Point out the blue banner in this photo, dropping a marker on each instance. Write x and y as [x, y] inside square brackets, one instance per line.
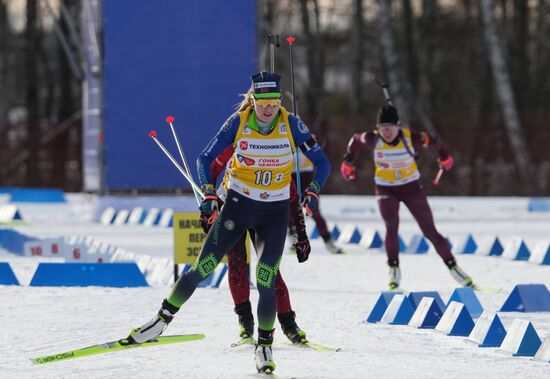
[187, 59]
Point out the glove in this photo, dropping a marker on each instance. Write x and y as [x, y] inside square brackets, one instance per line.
[347, 171]
[204, 222]
[447, 164]
[303, 248]
[310, 197]
[211, 205]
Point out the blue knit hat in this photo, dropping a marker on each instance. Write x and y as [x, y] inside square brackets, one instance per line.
[266, 85]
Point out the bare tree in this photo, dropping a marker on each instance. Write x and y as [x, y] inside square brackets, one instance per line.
[389, 53]
[401, 88]
[4, 32]
[540, 79]
[429, 54]
[412, 67]
[504, 92]
[32, 39]
[357, 56]
[315, 61]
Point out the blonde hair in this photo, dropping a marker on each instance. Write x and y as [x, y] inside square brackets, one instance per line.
[247, 100]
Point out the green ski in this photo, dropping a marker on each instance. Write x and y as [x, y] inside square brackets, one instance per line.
[115, 346]
[318, 346]
[244, 341]
[311, 345]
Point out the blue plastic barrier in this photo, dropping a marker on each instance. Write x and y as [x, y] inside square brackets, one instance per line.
[528, 298]
[496, 248]
[371, 240]
[522, 339]
[355, 236]
[30, 195]
[380, 306]
[417, 245]
[416, 297]
[13, 241]
[522, 252]
[314, 233]
[400, 316]
[402, 246]
[541, 254]
[488, 331]
[123, 274]
[7, 277]
[427, 314]
[467, 297]
[539, 204]
[335, 233]
[456, 321]
[467, 246]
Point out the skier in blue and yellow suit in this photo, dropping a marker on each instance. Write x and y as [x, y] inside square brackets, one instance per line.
[265, 136]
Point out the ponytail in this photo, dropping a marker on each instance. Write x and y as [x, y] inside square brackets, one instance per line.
[246, 102]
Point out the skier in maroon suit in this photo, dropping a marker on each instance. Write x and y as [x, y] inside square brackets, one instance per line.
[397, 180]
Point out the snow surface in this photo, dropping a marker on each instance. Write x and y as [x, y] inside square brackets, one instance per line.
[331, 295]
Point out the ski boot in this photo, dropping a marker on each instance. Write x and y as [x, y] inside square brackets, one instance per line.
[290, 329]
[154, 328]
[459, 275]
[395, 275]
[263, 355]
[246, 319]
[331, 247]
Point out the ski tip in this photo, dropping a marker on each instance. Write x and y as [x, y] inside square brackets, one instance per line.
[170, 119]
[153, 134]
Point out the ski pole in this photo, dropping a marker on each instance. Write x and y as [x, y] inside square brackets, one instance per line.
[385, 89]
[438, 176]
[290, 41]
[153, 135]
[273, 42]
[170, 120]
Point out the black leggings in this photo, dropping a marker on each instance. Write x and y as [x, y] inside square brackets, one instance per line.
[269, 221]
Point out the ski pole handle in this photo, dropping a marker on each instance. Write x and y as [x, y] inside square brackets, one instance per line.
[153, 135]
[438, 176]
[385, 89]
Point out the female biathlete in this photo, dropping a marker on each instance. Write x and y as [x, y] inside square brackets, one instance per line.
[396, 180]
[239, 284]
[264, 136]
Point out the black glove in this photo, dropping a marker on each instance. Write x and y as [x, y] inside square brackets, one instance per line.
[310, 197]
[303, 248]
[204, 222]
[210, 206]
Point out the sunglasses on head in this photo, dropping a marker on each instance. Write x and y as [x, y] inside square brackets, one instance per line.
[267, 102]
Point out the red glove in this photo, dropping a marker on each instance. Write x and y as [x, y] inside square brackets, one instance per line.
[347, 171]
[447, 164]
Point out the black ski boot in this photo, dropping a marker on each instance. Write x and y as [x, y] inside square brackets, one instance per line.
[290, 329]
[246, 319]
